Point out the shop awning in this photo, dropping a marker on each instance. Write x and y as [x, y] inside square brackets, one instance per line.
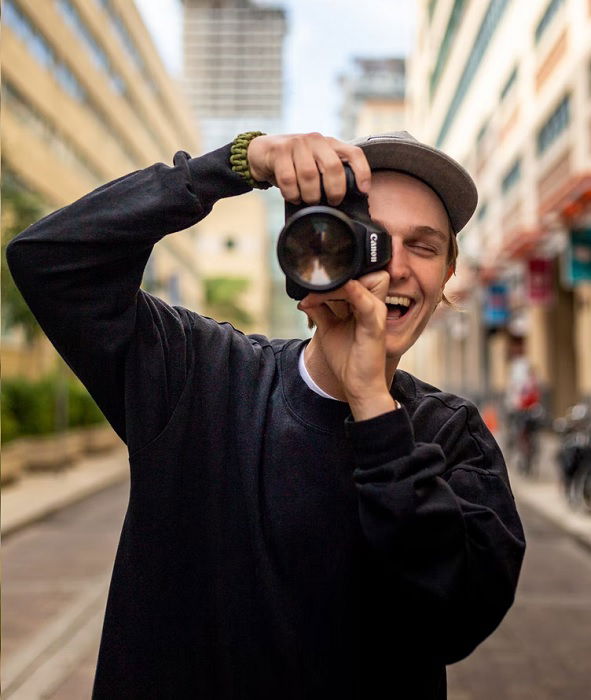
[571, 199]
[520, 243]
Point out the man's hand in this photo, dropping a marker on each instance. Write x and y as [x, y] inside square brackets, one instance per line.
[351, 333]
[296, 163]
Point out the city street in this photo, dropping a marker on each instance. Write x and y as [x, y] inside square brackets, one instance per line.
[55, 580]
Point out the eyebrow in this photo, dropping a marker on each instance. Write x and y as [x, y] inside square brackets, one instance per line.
[430, 231]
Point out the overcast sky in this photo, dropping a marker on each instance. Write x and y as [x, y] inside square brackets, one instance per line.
[322, 37]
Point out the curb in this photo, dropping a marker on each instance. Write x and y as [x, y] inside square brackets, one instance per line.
[547, 499]
[38, 495]
[48, 659]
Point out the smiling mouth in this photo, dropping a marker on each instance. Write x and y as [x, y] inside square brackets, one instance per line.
[398, 307]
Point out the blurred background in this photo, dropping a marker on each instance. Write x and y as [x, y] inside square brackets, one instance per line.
[93, 89]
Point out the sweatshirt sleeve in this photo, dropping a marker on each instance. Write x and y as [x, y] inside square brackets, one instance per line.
[80, 269]
[442, 518]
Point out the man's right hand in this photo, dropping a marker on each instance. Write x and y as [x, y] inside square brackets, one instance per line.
[296, 163]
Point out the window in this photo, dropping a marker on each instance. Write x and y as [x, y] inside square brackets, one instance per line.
[99, 57]
[512, 176]
[66, 151]
[444, 49]
[40, 49]
[551, 9]
[509, 83]
[492, 17]
[554, 125]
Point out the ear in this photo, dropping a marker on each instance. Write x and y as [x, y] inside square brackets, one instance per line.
[450, 271]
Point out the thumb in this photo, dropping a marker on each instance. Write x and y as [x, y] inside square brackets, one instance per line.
[377, 283]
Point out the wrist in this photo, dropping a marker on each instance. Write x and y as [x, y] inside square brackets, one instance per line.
[239, 159]
[370, 406]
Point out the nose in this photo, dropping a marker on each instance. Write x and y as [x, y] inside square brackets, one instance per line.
[399, 266]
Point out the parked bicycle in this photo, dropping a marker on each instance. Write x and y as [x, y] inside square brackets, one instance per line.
[523, 438]
[574, 455]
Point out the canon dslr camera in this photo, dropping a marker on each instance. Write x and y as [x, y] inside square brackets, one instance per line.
[321, 247]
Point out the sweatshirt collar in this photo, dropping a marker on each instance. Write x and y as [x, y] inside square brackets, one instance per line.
[311, 409]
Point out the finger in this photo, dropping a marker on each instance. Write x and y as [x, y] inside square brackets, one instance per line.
[357, 160]
[286, 178]
[369, 311]
[377, 283]
[341, 309]
[333, 173]
[307, 172]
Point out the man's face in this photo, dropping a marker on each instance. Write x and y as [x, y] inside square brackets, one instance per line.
[417, 222]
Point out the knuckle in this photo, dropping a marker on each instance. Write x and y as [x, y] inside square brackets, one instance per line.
[286, 179]
[308, 173]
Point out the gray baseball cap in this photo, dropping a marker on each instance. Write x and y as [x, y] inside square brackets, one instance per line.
[400, 151]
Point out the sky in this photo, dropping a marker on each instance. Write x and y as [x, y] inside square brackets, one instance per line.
[322, 38]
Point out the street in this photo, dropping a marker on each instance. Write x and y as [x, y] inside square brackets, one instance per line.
[56, 573]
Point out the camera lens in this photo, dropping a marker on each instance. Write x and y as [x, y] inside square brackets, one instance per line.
[318, 250]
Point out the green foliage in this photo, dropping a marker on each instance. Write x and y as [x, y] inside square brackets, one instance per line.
[29, 407]
[19, 210]
[222, 298]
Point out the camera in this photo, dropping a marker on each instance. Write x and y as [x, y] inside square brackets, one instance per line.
[321, 247]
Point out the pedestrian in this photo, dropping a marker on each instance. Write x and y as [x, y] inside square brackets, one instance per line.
[305, 520]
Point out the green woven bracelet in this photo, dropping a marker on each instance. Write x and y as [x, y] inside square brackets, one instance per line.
[239, 160]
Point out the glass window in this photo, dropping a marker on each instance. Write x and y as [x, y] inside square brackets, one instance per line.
[554, 125]
[551, 9]
[512, 176]
[492, 17]
[509, 83]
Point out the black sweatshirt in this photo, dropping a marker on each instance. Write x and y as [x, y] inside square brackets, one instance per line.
[272, 547]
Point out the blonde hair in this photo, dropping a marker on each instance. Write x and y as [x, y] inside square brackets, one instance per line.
[452, 256]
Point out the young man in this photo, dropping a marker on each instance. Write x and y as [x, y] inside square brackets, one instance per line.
[305, 520]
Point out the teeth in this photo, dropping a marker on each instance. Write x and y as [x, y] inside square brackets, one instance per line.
[403, 301]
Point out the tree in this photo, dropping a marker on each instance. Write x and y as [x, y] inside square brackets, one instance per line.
[19, 210]
[221, 295]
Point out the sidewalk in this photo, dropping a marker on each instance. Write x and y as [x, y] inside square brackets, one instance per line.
[543, 492]
[38, 494]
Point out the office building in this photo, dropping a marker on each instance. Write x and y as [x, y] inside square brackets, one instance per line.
[505, 87]
[86, 99]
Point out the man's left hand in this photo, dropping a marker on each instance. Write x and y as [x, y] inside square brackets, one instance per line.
[351, 332]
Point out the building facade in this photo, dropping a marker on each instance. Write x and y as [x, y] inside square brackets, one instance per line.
[233, 77]
[86, 99]
[505, 88]
[373, 97]
[233, 67]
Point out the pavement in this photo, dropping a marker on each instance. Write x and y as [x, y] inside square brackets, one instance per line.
[39, 494]
[52, 626]
[543, 491]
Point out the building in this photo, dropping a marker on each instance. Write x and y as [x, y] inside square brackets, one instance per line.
[233, 67]
[373, 97]
[505, 87]
[85, 99]
[233, 77]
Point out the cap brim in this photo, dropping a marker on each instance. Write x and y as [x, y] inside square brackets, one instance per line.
[450, 181]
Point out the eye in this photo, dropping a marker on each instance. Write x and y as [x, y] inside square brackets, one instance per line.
[426, 248]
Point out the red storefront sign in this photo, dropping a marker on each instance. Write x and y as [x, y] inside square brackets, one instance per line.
[540, 287]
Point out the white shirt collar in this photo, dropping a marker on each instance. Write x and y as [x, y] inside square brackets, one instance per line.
[305, 375]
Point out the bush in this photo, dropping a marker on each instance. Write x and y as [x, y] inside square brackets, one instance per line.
[29, 407]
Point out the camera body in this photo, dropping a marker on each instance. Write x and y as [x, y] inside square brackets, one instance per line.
[321, 247]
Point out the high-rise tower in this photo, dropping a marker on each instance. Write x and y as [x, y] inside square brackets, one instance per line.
[233, 66]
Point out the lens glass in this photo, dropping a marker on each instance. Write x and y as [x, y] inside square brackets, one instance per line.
[319, 249]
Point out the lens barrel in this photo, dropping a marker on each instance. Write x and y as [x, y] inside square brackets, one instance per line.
[319, 249]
